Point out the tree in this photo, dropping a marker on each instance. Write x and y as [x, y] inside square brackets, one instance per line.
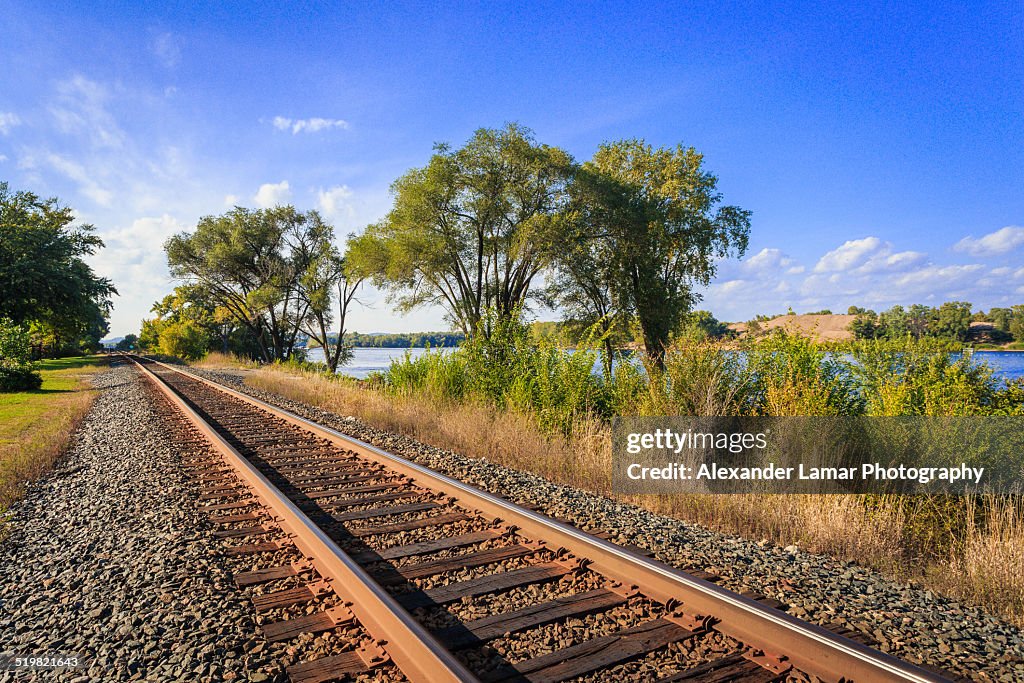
[703, 325]
[1000, 318]
[17, 372]
[183, 339]
[951, 320]
[251, 265]
[129, 342]
[918, 320]
[582, 281]
[865, 326]
[46, 284]
[324, 281]
[894, 323]
[471, 229]
[657, 212]
[1017, 323]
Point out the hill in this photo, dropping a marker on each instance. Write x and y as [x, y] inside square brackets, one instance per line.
[834, 327]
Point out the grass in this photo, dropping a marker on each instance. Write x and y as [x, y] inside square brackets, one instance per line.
[216, 360]
[969, 548]
[36, 426]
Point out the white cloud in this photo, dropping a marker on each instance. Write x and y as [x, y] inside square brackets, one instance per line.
[3, 158]
[313, 125]
[767, 258]
[230, 200]
[850, 255]
[334, 202]
[994, 243]
[8, 120]
[867, 255]
[167, 48]
[272, 194]
[87, 185]
[934, 278]
[81, 109]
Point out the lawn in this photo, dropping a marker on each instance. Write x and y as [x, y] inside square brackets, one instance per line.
[36, 426]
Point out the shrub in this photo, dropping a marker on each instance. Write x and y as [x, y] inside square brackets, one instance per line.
[17, 372]
[924, 377]
[184, 339]
[793, 375]
[18, 377]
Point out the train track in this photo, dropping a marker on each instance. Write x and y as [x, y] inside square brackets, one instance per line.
[425, 576]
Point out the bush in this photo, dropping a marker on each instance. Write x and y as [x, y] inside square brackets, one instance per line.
[15, 344]
[17, 373]
[18, 377]
[184, 339]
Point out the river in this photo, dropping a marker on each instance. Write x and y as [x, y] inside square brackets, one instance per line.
[1007, 364]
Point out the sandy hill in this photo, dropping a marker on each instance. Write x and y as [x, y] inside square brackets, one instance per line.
[824, 327]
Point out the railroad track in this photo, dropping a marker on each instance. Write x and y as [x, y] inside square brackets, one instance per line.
[428, 579]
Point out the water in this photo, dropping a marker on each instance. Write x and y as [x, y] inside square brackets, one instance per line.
[1007, 364]
[371, 359]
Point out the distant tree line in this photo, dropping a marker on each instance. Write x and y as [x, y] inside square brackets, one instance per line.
[46, 287]
[951, 321]
[405, 339]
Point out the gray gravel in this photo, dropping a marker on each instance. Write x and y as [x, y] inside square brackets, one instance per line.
[904, 619]
[108, 557]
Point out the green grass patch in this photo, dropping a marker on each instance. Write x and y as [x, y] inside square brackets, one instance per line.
[35, 426]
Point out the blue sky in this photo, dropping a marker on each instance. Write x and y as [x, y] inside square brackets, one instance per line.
[880, 149]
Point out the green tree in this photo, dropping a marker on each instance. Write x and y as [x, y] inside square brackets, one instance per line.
[918, 320]
[323, 285]
[1017, 323]
[17, 372]
[702, 325]
[894, 323]
[582, 281]
[865, 326]
[1000, 318]
[471, 230]
[951, 320]
[184, 339]
[254, 266]
[129, 342]
[658, 213]
[45, 281]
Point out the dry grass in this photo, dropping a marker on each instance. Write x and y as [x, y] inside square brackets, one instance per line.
[985, 567]
[216, 360]
[36, 426]
[989, 568]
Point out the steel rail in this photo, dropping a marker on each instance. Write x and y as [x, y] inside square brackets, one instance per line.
[412, 648]
[808, 647]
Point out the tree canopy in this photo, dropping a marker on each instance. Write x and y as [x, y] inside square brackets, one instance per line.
[273, 272]
[46, 283]
[472, 229]
[648, 228]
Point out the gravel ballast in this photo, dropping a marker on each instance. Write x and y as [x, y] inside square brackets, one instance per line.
[903, 619]
[108, 557]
